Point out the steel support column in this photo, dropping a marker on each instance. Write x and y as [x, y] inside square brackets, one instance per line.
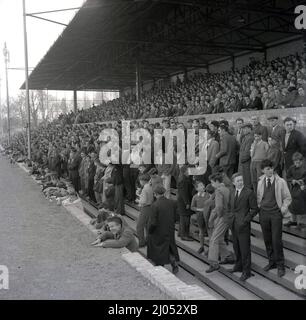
[6, 60]
[27, 78]
[75, 101]
[138, 81]
[304, 43]
[233, 63]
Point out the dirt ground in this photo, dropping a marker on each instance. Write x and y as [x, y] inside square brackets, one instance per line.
[48, 254]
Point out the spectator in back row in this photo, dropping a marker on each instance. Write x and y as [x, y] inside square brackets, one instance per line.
[228, 150]
[259, 152]
[292, 141]
[296, 178]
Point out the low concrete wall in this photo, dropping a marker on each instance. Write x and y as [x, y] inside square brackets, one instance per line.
[299, 114]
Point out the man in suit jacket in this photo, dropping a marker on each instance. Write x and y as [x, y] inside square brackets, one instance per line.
[238, 132]
[275, 129]
[228, 150]
[258, 127]
[161, 247]
[245, 156]
[243, 206]
[292, 141]
[184, 196]
[212, 149]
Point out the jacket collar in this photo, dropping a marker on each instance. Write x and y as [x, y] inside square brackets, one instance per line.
[276, 177]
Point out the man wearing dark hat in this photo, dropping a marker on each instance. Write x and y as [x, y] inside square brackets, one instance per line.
[275, 129]
[213, 126]
[228, 150]
[161, 246]
[244, 154]
[292, 141]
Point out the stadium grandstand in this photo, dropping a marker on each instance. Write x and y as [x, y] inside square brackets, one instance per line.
[234, 68]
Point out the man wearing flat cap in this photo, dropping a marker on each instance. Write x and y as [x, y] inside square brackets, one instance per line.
[244, 154]
[275, 129]
[161, 246]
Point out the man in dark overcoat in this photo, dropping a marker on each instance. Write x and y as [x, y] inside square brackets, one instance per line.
[245, 155]
[292, 141]
[161, 246]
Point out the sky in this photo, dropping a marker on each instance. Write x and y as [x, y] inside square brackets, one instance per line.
[41, 35]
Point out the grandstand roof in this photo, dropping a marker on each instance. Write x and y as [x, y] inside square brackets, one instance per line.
[100, 46]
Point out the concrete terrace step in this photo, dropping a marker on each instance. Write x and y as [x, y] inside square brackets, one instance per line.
[300, 233]
[259, 261]
[256, 284]
[221, 285]
[291, 242]
[218, 282]
[292, 259]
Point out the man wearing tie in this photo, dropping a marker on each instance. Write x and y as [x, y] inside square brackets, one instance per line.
[238, 130]
[243, 206]
[273, 199]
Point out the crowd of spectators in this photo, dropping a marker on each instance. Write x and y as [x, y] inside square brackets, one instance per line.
[280, 83]
[244, 151]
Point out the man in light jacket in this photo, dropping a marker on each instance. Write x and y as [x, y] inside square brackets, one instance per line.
[273, 199]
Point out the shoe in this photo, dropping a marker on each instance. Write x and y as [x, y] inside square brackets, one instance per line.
[228, 261]
[281, 272]
[175, 268]
[212, 268]
[290, 224]
[187, 238]
[201, 249]
[245, 276]
[235, 269]
[269, 266]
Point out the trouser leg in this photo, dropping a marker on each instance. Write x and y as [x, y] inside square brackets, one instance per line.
[277, 242]
[167, 185]
[184, 226]
[98, 197]
[265, 223]
[216, 243]
[244, 239]
[236, 247]
[141, 226]
[127, 182]
[119, 199]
